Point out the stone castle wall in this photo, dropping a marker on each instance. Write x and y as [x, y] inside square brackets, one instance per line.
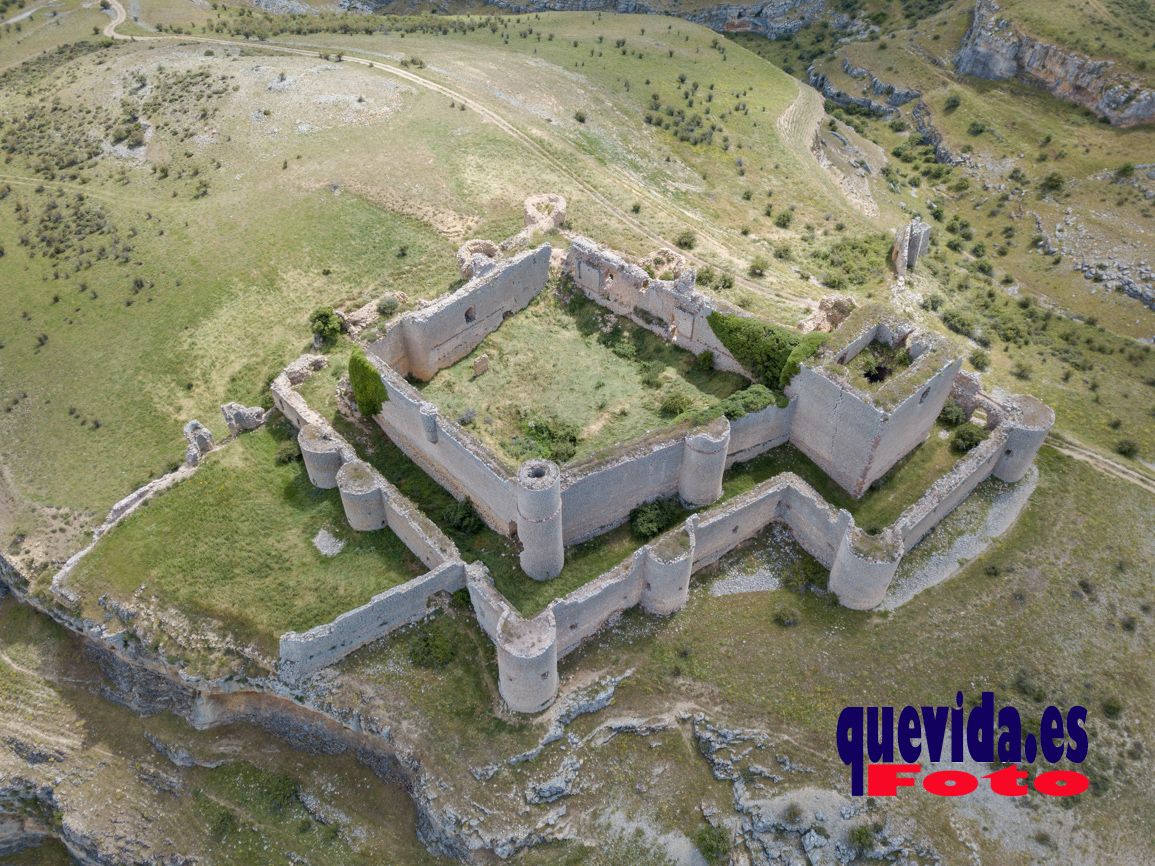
[656, 576]
[371, 503]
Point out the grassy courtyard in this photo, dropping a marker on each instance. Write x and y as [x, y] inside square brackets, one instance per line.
[234, 543]
[568, 378]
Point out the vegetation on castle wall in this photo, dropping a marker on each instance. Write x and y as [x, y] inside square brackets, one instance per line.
[368, 389]
[760, 347]
[805, 350]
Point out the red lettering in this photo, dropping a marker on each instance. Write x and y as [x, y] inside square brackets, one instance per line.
[883, 780]
[950, 783]
[1009, 781]
[1061, 783]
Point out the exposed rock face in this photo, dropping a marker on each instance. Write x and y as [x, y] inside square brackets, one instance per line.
[780, 18]
[994, 48]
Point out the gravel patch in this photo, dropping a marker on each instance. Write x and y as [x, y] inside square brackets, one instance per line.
[762, 566]
[328, 543]
[967, 533]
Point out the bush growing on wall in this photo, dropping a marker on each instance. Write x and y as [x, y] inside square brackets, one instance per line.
[368, 389]
[753, 398]
[807, 346]
[760, 347]
[325, 324]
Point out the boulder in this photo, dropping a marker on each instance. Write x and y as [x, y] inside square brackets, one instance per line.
[241, 419]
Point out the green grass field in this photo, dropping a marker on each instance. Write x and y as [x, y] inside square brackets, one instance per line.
[607, 378]
[234, 544]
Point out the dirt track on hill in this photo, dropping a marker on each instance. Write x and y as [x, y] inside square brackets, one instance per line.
[707, 231]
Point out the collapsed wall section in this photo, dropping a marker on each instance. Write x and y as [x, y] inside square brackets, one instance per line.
[672, 309]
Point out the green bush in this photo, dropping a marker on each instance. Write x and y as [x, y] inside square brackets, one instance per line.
[686, 240]
[758, 267]
[461, 516]
[654, 518]
[806, 348]
[787, 616]
[784, 219]
[952, 414]
[675, 403]
[368, 390]
[287, 452]
[325, 324]
[753, 398]
[980, 359]
[713, 843]
[862, 838]
[965, 437]
[1128, 448]
[433, 645]
[546, 436]
[704, 363]
[762, 348]
[387, 306]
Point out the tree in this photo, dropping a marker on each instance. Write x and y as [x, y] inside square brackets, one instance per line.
[325, 323]
[965, 437]
[368, 389]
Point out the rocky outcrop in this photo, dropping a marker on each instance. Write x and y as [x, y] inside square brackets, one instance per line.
[781, 18]
[996, 49]
[894, 96]
[821, 83]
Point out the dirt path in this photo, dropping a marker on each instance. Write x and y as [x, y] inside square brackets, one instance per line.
[559, 165]
[1102, 463]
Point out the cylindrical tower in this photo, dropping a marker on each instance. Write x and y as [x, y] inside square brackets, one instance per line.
[362, 496]
[859, 581]
[666, 573]
[527, 661]
[1025, 436]
[703, 463]
[321, 451]
[539, 526]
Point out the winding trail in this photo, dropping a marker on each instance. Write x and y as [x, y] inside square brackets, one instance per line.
[1101, 462]
[561, 166]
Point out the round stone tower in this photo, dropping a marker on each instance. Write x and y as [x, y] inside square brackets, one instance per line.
[527, 661]
[362, 496]
[321, 452]
[429, 423]
[539, 519]
[1027, 429]
[703, 463]
[666, 575]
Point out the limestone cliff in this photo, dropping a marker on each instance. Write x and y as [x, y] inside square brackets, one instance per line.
[995, 48]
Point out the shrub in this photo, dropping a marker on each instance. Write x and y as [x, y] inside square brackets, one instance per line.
[433, 646]
[784, 219]
[804, 574]
[287, 452]
[976, 128]
[806, 348]
[325, 323]
[758, 267]
[705, 362]
[686, 240]
[762, 348]
[1052, 183]
[461, 516]
[1128, 448]
[958, 322]
[546, 436]
[980, 359]
[952, 102]
[675, 403]
[713, 843]
[787, 616]
[654, 518]
[387, 306]
[965, 437]
[1112, 708]
[368, 390]
[579, 116]
[861, 838]
[952, 414]
[652, 374]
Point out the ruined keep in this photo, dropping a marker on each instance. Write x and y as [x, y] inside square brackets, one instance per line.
[854, 433]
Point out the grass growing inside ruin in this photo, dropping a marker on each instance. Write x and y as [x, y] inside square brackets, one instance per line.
[569, 363]
[882, 503]
[234, 543]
